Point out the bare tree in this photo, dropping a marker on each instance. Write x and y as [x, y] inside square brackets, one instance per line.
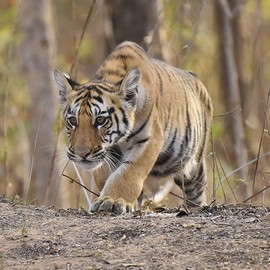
[36, 51]
[133, 20]
[230, 82]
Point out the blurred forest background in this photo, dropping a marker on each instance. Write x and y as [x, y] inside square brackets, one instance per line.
[226, 42]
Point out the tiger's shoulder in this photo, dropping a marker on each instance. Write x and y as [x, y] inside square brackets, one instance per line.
[158, 77]
[124, 57]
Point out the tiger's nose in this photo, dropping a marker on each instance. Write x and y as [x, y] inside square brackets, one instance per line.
[83, 152]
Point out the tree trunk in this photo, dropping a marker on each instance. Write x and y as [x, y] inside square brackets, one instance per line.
[230, 84]
[36, 51]
[133, 20]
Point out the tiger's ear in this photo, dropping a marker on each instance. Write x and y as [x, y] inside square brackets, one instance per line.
[129, 86]
[64, 85]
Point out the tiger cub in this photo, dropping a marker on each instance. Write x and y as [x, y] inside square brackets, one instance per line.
[137, 117]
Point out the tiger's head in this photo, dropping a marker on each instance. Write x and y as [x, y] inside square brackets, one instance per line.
[97, 115]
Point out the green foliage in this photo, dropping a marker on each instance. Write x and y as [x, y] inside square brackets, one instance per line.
[218, 130]
[85, 49]
[12, 84]
[24, 232]
[7, 20]
[16, 199]
[58, 125]
[2, 257]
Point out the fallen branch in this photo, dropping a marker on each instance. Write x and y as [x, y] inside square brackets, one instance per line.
[252, 196]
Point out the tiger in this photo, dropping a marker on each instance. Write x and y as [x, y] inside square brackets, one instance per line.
[138, 117]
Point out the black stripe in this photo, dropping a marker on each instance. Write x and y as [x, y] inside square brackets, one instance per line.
[112, 72]
[194, 142]
[111, 110]
[138, 142]
[121, 56]
[186, 138]
[68, 110]
[96, 106]
[193, 197]
[168, 74]
[142, 141]
[133, 49]
[97, 91]
[166, 172]
[125, 120]
[90, 87]
[98, 98]
[115, 152]
[188, 128]
[79, 98]
[117, 121]
[174, 75]
[202, 144]
[103, 112]
[166, 71]
[115, 132]
[97, 78]
[141, 127]
[103, 88]
[127, 162]
[118, 83]
[120, 135]
[168, 117]
[160, 81]
[167, 153]
[192, 73]
[173, 164]
[209, 105]
[202, 95]
[163, 158]
[195, 182]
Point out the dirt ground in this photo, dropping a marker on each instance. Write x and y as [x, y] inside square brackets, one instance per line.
[217, 237]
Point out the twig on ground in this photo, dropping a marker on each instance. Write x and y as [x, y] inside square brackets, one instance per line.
[223, 171]
[81, 185]
[257, 193]
[195, 204]
[34, 151]
[240, 168]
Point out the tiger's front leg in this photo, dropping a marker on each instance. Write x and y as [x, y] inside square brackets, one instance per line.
[124, 186]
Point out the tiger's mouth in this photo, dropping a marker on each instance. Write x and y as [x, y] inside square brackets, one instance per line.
[88, 162]
[89, 165]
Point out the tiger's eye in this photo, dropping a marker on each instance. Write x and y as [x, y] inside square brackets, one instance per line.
[101, 121]
[72, 121]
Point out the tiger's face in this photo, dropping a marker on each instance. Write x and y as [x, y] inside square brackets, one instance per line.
[94, 123]
[96, 116]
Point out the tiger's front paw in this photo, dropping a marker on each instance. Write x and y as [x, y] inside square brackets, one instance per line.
[107, 204]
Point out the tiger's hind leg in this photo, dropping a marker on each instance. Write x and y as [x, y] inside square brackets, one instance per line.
[194, 186]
